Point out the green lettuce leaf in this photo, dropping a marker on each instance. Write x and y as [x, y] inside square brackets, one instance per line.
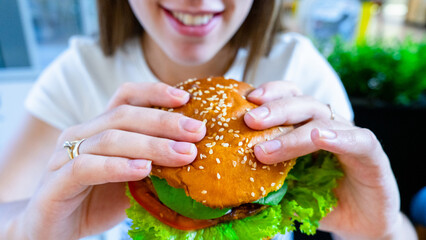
[308, 199]
[177, 200]
[273, 198]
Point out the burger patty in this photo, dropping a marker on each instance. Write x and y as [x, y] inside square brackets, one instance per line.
[240, 212]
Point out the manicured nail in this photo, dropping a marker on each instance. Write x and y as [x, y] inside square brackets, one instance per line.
[190, 125]
[140, 164]
[259, 113]
[183, 147]
[257, 93]
[270, 146]
[327, 134]
[177, 92]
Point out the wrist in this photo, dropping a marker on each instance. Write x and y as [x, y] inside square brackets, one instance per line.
[401, 229]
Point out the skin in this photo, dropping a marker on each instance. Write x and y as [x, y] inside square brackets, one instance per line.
[72, 195]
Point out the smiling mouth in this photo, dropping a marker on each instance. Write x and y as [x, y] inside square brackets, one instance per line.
[192, 19]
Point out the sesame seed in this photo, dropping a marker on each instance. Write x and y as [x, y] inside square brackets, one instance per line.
[196, 111]
[236, 135]
[237, 131]
[234, 118]
[205, 121]
[218, 160]
[255, 164]
[272, 184]
[201, 167]
[220, 123]
[225, 144]
[282, 173]
[230, 130]
[262, 189]
[251, 179]
[211, 151]
[221, 130]
[189, 168]
[252, 194]
[204, 192]
[213, 119]
[234, 163]
[275, 164]
[225, 125]
[250, 145]
[211, 126]
[221, 137]
[240, 144]
[204, 201]
[218, 176]
[170, 110]
[254, 169]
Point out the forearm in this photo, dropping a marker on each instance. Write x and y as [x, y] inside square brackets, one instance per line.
[402, 230]
[11, 220]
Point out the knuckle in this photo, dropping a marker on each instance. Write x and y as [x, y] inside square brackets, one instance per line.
[167, 119]
[118, 114]
[110, 168]
[370, 139]
[125, 88]
[108, 137]
[161, 87]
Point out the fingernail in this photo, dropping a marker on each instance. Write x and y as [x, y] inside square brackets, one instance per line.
[270, 146]
[140, 164]
[182, 147]
[259, 113]
[190, 125]
[257, 93]
[327, 134]
[177, 92]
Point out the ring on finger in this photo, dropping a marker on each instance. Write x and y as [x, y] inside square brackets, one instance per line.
[72, 148]
[332, 113]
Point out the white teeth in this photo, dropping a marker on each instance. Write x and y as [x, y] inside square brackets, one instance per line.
[192, 20]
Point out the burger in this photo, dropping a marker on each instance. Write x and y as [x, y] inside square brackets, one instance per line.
[226, 193]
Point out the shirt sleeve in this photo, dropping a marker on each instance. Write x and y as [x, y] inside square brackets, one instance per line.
[57, 96]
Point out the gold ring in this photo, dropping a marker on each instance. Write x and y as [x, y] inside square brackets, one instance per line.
[332, 114]
[72, 147]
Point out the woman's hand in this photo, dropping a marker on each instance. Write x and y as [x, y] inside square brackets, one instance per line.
[368, 195]
[86, 195]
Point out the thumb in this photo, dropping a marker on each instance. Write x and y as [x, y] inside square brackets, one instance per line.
[357, 143]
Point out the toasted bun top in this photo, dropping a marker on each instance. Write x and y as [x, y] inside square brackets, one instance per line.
[225, 172]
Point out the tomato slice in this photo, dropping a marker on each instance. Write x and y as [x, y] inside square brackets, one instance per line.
[143, 194]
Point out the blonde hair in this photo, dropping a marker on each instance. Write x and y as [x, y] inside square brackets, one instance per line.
[117, 24]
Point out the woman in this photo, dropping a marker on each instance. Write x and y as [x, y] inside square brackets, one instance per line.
[102, 92]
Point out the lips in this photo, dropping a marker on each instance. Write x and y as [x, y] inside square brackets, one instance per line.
[197, 24]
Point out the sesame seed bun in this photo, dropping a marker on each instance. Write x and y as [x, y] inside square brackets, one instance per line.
[225, 172]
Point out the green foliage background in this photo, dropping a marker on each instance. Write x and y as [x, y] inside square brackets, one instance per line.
[383, 72]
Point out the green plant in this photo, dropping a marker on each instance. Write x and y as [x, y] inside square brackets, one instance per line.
[382, 72]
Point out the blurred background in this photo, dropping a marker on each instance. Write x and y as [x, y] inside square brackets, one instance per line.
[377, 47]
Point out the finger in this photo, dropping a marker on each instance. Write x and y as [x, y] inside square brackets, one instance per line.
[161, 151]
[272, 91]
[291, 110]
[360, 143]
[296, 143]
[148, 121]
[148, 95]
[88, 169]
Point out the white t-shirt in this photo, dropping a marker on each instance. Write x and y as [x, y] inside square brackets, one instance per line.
[77, 86]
